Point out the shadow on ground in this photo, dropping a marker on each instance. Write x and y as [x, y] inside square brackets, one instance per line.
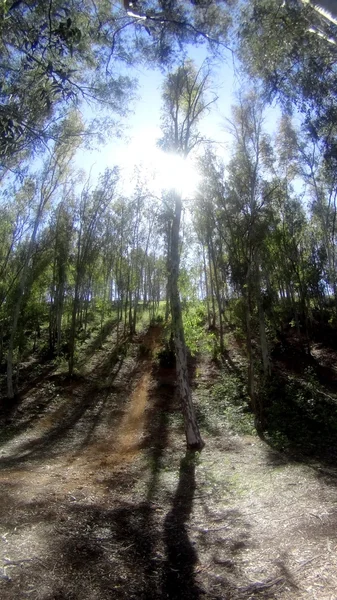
[301, 419]
[71, 424]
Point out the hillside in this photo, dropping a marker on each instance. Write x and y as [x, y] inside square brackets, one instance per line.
[100, 500]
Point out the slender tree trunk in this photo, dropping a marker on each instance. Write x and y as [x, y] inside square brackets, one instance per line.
[17, 307]
[206, 284]
[211, 286]
[10, 387]
[72, 335]
[193, 437]
[218, 298]
[251, 385]
[59, 313]
[1, 341]
[247, 293]
[168, 286]
[262, 326]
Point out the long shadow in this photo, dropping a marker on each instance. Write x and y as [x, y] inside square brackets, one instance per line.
[120, 551]
[294, 360]
[17, 415]
[301, 421]
[101, 553]
[11, 416]
[178, 575]
[75, 409]
[95, 421]
[227, 362]
[156, 438]
[9, 407]
[97, 342]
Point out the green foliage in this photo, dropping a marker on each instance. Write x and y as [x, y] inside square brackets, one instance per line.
[196, 337]
[56, 55]
[157, 320]
[225, 405]
[299, 414]
[231, 398]
[185, 100]
[291, 48]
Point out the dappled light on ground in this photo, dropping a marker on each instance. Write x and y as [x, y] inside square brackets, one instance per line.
[100, 500]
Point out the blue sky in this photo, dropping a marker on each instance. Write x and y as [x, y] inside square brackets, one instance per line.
[142, 125]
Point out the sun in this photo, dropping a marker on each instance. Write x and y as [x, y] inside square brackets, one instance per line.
[162, 170]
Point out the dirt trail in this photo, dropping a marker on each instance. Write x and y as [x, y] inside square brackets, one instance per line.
[123, 445]
[99, 501]
[132, 426]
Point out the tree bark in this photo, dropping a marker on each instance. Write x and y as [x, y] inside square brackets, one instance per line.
[262, 326]
[17, 307]
[206, 284]
[193, 437]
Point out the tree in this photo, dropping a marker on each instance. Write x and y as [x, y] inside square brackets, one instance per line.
[184, 102]
[292, 48]
[43, 190]
[91, 210]
[56, 55]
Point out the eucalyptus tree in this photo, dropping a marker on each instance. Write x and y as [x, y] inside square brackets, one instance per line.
[143, 205]
[292, 48]
[92, 206]
[58, 54]
[321, 188]
[43, 191]
[301, 236]
[62, 224]
[185, 101]
[206, 226]
[233, 216]
[248, 198]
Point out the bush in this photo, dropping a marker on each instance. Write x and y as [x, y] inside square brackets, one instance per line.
[231, 402]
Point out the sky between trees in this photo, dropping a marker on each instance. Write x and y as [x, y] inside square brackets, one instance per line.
[76, 250]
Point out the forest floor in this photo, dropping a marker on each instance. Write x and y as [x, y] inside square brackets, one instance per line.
[99, 499]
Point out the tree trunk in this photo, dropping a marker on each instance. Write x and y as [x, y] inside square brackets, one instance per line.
[74, 320]
[251, 386]
[206, 284]
[193, 437]
[59, 313]
[17, 307]
[218, 298]
[211, 286]
[262, 326]
[168, 286]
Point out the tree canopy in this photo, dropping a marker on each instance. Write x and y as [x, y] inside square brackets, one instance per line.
[56, 55]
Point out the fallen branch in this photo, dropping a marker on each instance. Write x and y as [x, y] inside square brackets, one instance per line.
[260, 585]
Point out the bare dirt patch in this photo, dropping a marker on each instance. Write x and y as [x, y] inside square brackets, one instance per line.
[99, 499]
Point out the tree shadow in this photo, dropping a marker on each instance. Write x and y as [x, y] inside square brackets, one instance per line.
[98, 341]
[162, 401]
[300, 419]
[181, 556]
[226, 362]
[72, 424]
[127, 551]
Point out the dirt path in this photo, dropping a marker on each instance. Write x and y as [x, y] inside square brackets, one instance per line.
[99, 500]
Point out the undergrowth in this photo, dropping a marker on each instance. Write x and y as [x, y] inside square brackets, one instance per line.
[299, 414]
[226, 405]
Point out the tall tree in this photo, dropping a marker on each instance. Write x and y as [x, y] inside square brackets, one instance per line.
[52, 177]
[292, 48]
[184, 103]
[91, 210]
[55, 55]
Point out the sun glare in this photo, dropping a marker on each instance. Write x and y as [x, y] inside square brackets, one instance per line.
[163, 171]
